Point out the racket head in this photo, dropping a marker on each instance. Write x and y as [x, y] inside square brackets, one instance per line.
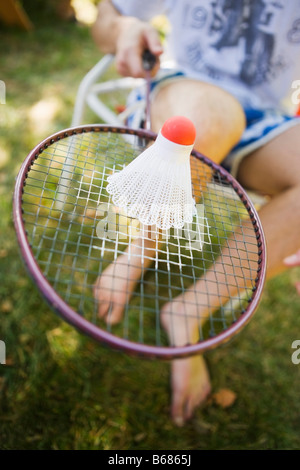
[64, 254]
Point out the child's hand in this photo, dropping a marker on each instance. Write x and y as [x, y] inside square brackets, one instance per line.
[136, 37]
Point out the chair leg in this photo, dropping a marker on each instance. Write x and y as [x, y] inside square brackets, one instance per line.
[90, 78]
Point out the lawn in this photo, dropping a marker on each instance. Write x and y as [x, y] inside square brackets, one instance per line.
[61, 390]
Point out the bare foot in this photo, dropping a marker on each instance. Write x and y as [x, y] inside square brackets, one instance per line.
[191, 386]
[190, 380]
[113, 290]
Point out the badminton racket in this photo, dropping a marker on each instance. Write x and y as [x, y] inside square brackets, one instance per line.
[67, 250]
[72, 237]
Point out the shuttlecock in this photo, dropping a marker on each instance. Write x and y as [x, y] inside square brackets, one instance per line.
[156, 187]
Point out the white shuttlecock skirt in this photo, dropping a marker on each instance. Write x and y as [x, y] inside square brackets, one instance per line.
[156, 187]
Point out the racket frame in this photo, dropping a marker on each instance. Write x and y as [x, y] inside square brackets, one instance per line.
[80, 323]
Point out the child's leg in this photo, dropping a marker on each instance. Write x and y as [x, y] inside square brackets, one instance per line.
[113, 289]
[182, 317]
[220, 121]
[209, 108]
[273, 169]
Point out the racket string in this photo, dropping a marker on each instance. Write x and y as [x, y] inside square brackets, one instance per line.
[72, 255]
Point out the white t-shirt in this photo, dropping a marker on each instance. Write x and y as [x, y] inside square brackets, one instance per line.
[251, 48]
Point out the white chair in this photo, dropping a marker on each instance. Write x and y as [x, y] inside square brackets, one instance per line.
[93, 92]
[93, 89]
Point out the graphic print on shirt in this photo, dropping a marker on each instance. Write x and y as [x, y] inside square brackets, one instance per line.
[294, 32]
[248, 27]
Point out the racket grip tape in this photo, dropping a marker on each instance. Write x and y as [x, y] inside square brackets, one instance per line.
[149, 60]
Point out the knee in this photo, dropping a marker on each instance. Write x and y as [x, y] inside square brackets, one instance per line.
[220, 123]
[217, 115]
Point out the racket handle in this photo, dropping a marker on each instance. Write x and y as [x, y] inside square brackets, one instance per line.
[149, 60]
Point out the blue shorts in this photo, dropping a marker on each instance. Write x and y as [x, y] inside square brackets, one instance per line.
[261, 125]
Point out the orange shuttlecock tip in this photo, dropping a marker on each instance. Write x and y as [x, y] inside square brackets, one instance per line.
[180, 130]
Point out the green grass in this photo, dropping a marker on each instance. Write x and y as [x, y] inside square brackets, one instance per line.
[61, 390]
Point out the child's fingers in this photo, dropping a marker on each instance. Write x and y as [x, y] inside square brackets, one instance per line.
[152, 41]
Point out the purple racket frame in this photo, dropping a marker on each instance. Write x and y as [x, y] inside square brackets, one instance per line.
[92, 330]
